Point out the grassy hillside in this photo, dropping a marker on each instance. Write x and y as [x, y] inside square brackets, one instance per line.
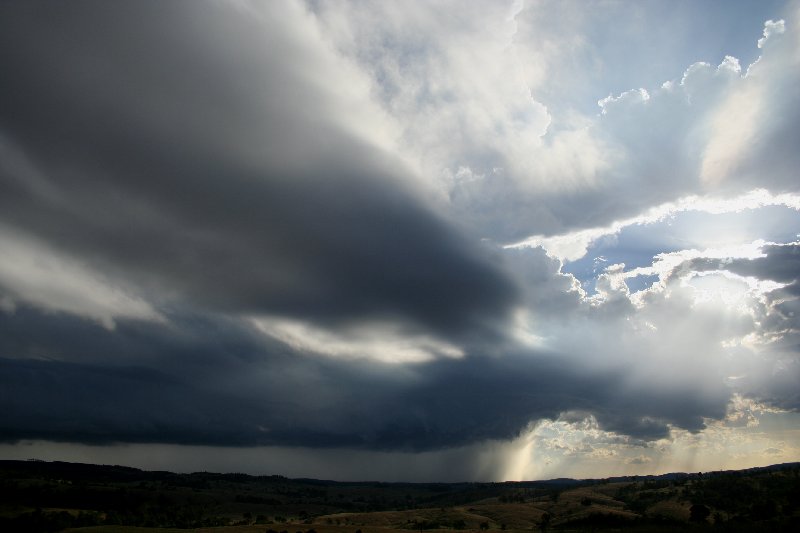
[54, 496]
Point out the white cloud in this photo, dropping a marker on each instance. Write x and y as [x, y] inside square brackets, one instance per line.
[455, 86]
[573, 245]
[37, 275]
[771, 28]
[628, 98]
[387, 343]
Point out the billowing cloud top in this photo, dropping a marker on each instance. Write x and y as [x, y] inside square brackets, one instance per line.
[392, 227]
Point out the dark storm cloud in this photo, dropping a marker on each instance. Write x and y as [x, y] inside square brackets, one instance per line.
[213, 382]
[96, 404]
[189, 150]
[495, 398]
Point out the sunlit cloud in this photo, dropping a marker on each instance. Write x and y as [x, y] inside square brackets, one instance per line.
[574, 245]
[381, 342]
[45, 278]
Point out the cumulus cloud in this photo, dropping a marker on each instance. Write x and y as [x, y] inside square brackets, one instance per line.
[707, 130]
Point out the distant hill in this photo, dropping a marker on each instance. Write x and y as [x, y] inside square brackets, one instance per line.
[55, 496]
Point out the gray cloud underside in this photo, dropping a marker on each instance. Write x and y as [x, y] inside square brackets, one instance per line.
[218, 383]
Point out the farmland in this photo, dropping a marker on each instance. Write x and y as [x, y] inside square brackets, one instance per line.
[54, 496]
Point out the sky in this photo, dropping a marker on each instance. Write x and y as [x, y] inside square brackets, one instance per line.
[406, 241]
